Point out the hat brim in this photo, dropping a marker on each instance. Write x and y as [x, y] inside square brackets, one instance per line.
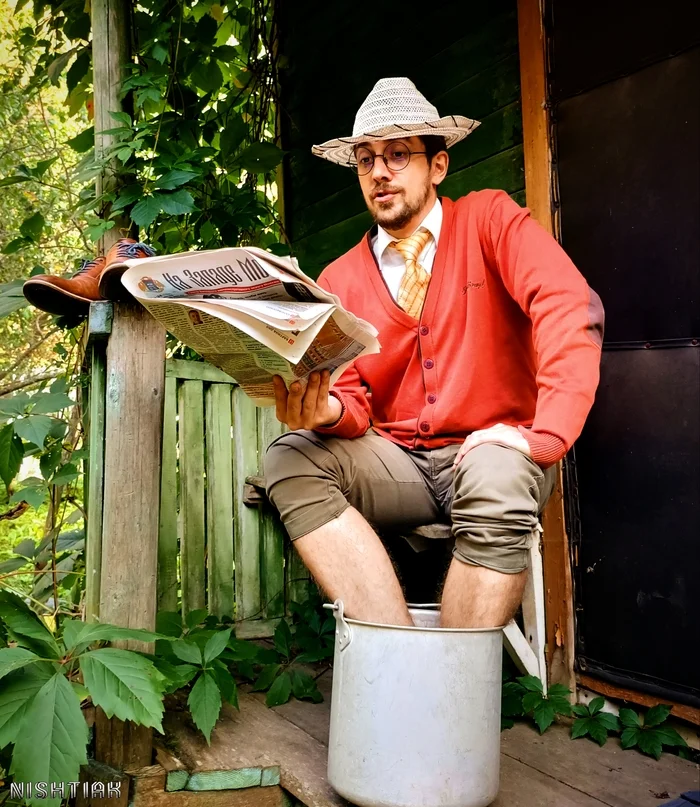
[341, 150]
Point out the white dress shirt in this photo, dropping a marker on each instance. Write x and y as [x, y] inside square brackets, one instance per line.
[390, 261]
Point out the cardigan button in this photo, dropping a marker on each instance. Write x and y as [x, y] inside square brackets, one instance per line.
[425, 426]
[428, 364]
[432, 398]
[424, 330]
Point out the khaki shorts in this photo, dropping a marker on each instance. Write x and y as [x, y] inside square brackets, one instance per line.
[492, 500]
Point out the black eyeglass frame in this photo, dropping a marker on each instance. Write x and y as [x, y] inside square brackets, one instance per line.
[356, 168]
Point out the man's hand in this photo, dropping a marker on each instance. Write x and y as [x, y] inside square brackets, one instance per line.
[306, 410]
[500, 434]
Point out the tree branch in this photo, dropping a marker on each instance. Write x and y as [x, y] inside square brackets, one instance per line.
[26, 353]
[6, 390]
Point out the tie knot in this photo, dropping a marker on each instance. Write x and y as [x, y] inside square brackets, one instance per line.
[410, 248]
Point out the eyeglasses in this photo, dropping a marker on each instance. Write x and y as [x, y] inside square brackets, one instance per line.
[396, 158]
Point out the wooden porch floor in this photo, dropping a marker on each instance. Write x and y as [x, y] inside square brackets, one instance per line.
[536, 771]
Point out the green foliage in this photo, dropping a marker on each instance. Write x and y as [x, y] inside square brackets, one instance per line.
[543, 708]
[593, 721]
[650, 735]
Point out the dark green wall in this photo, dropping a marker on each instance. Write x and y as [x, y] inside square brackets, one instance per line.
[462, 55]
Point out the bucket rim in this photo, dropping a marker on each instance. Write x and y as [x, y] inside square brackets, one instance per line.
[411, 608]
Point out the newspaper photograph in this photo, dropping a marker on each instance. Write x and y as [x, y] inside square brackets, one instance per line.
[251, 314]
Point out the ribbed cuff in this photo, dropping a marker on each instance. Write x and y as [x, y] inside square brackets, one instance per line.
[331, 428]
[546, 449]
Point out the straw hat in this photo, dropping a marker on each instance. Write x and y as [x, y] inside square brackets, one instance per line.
[395, 108]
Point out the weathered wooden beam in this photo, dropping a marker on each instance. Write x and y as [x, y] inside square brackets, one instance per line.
[559, 608]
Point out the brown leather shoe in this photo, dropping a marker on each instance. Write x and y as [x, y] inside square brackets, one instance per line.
[66, 295]
[125, 249]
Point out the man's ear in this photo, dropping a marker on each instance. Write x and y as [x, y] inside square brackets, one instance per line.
[439, 166]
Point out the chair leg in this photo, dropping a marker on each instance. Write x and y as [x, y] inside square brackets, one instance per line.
[527, 649]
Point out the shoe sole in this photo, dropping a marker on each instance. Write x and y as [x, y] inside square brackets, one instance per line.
[53, 300]
[110, 284]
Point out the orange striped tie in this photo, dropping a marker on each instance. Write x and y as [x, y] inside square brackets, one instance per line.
[414, 283]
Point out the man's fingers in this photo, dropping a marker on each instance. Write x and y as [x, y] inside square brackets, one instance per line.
[280, 398]
[310, 401]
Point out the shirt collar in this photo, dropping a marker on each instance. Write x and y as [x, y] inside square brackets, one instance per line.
[432, 223]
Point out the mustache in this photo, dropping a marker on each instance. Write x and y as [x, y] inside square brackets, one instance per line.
[384, 189]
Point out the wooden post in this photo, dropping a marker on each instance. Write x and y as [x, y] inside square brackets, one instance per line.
[558, 585]
[135, 379]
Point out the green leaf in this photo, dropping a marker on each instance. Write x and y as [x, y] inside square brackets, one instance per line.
[596, 705]
[14, 658]
[47, 403]
[195, 617]
[159, 52]
[49, 460]
[260, 158]
[649, 742]
[629, 718]
[543, 715]
[177, 203]
[16, 694]
[232, 136]
[33, 428]
[78, 70]
[668, 736]
[608, 721]
[24, 623]
[169, 623]
[121, 117]
[531, 700]
[58, 65]
[280, 691]
[239, 650]
[84, 634]
[266, 677]
[42, 167]
[144, 213]
[11, 454]
[12, 564]
[283, 638]
[65, 474]
[15, 245]
[207, 76]
[77, 27]
[173, 179]
[187, 651]
[32, 227]
[597, 731]
[51, 745]
[205, 704]
[629, 736]
[83, 142]
[531, 683]
[656, 715]
[216, 645]
[14, 180]
[176, 675]
[226, 683]
[15, 405]
[304, 686]
[124, 684]
[512, 699]
[33, 496]
[580, 710]
[580, 728]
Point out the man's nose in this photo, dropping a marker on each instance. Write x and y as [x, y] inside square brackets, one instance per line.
[380, 172]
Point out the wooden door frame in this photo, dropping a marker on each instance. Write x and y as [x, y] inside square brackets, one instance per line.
[556, 559]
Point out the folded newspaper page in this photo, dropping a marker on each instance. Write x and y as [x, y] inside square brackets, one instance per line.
[251, 314]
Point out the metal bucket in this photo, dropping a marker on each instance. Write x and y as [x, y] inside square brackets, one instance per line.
[415, 713]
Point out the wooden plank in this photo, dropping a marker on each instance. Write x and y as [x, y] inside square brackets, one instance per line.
[96, 438]
[679, 710]
[256, 628]
[114, 782]
[219, 500]
[272, 535]
[246, 519]
[149, 791]
[195, 371]
[313, 718]
[254, 736]
[615, 777]
[520, 651]
[225, 780]
[191, 420]
[533, 609]
[167, 531]
[537, 157]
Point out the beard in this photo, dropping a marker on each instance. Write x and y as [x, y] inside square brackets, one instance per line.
[398, 211]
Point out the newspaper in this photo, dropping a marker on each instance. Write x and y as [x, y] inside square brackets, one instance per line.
[251, 314]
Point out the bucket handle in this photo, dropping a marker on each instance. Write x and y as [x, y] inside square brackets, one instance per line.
[342, 630]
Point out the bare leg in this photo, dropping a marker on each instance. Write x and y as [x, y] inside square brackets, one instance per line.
[477, 597]
[348, 560]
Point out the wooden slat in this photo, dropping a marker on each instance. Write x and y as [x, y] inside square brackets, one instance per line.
[680, 710]
[219, 500]
[271, 531]
[167, 532]
[246, 519]
[559, 609]
[191, 419]
[93, 544]
[195, 371]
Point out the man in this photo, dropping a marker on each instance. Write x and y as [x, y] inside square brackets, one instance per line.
[490, 358]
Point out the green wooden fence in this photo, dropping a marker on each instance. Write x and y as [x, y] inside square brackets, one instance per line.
[214, 551]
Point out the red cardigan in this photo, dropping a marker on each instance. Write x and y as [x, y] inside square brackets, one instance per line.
[510, 333]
